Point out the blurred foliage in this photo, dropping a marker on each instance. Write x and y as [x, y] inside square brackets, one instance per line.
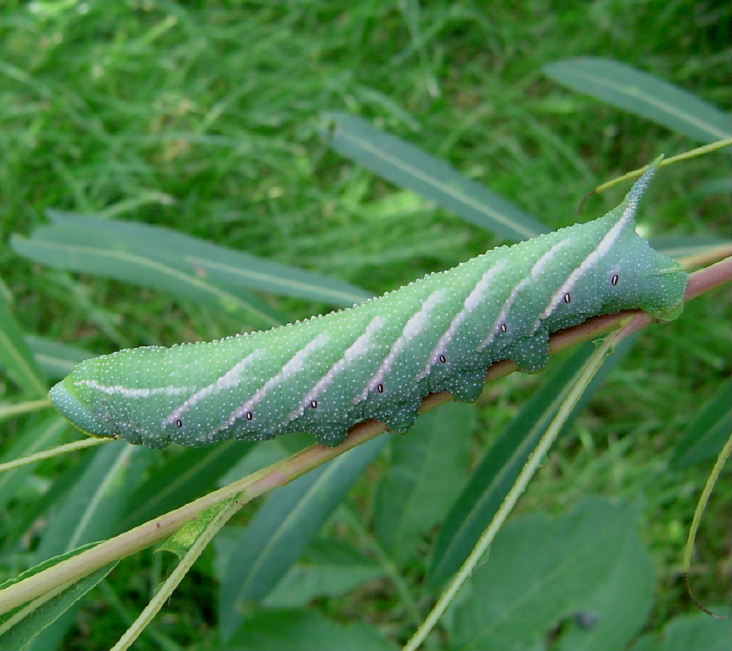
[205, 118]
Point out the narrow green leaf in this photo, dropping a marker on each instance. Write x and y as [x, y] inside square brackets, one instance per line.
[708, 431]
[215, 262]
[15, 355]
[304, 630]
[56, 359]
[19, 627]
[91, 510]
[41, 435]
[429, 466]
[66, 247]
[697, 631]
[683, 246]
[643, 94]
[587, 566]
[327, 569]
[496, 473]
[283, 528]
[182, 478]
[410, 167]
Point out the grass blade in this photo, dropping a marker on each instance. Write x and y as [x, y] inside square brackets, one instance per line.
[643, 94]
[410, 167]
[15, 355]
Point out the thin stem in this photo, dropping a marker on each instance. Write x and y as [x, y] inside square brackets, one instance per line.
[527, 472]
[52, 452]
[178, 574]
[698, 512]
[279, 474]
[124, 614]
[8, 411]
[712, 254]
[692, 153]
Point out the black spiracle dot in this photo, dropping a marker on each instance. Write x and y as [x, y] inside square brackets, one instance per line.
[314, 404]
[178, 422]
[442, 358]
[249, 415]
[503, 328]
[614, 280]
[567, 298]
[380, 387]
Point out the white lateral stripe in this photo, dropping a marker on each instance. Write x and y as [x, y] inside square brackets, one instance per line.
[357, 349]
[128, 392]
[228, 380]
[471, 302]
[412, 328]
[593, 258]
[536, 269]
[544, 261]
[292, 367]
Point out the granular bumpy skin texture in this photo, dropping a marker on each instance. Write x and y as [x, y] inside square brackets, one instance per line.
[378, 359]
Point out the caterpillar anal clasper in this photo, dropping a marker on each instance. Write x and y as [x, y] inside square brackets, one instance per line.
[378, 359]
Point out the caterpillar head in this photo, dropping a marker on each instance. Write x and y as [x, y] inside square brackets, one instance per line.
[79, 411]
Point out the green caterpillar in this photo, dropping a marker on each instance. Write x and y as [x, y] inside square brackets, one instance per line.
[378, 359]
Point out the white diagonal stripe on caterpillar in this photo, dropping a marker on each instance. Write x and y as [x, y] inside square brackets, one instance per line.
[544, 261]
[356, 350]
[537, 268]
[129, 392]
[293, 366]
[592, 258]
[412, 328]
[472, 301]
[228, 380]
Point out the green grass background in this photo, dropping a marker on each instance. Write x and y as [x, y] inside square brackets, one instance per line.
[203, 116]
